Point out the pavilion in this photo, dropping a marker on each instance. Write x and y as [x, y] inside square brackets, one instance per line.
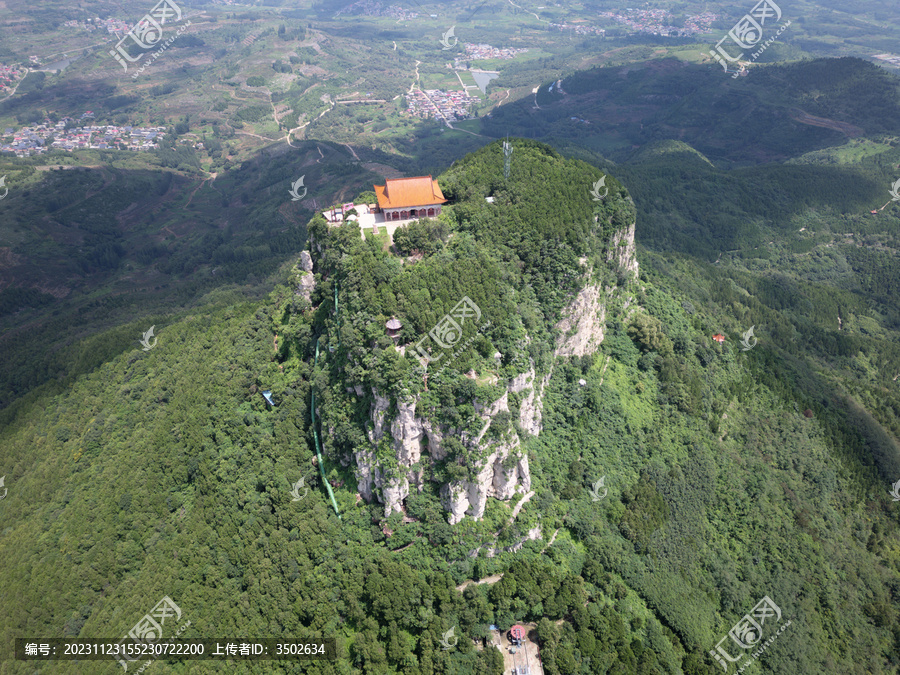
[404, 198]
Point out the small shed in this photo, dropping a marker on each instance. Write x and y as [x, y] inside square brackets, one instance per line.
[718, 337]
[393, 328]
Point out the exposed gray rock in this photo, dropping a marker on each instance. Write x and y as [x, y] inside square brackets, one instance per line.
[522, 381]
[306, 261]
[408, 431]
[581, 328]
[377, 414]
[531, 408]
[366, 473]
[533, 533]
[621, 252]
[497, 476]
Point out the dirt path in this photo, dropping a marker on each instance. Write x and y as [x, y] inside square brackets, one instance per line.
[417, 77]
[403, 548]
[493, 579]
[552, 539]
[265, 138]
[849, 130]
[274, 112]
[602, 372]
[108, 179]
[519, 506]
[352, 151]
[527, 12]
[13, 92]
[71, 51]
[302, 126]
[210, 178]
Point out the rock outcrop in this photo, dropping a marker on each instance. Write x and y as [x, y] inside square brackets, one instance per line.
[500, 474]
[581, 328]
[532, 404]
[303, 276]
[621, 253]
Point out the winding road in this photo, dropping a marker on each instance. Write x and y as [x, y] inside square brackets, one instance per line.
[527, 12]
[13, 92]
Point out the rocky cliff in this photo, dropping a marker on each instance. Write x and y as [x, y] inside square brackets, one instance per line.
[303, 277]
[502, 472]
[501, 468]
[621, 253]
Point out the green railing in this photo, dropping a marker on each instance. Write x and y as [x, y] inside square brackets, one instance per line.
[312, 415]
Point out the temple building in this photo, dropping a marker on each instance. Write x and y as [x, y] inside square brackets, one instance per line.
[404, 198]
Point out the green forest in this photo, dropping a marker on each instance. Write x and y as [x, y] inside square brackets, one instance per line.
[729, 474]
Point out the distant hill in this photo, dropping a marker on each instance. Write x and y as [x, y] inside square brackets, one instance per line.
[677, 151]
[733, 122]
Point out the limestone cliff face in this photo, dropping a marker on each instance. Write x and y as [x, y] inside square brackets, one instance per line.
[532, 404]
[621, 253]
[503, 470]
[303, 276]
[581, 327]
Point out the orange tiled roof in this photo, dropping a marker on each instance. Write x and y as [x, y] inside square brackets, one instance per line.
[408, 192]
